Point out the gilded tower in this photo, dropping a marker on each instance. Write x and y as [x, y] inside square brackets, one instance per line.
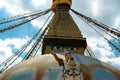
[63, 32]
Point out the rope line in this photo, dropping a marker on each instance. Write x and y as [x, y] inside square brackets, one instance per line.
[18, 17]
[84, 18]
[23, 48]
[117, 48]
[25, 21]
[99, 24]
[38, 43]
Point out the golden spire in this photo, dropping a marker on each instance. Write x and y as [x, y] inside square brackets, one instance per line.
[63, 32]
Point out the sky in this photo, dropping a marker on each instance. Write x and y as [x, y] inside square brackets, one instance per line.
[105, 11]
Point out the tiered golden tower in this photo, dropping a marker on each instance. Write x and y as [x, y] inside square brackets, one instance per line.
[63, 32]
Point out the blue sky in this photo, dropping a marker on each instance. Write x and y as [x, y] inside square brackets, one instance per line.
[105, 11]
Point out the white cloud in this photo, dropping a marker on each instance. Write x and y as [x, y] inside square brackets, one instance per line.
[7, 46]
[105, 12]
[12, 7]
[37, 23]
[3, 3]
[16, 7]
[101, 49]
[103, 52]
[16, 42]
[38, 3]
[5, 51]
[114, 62]
[117, 22]
[95, 8]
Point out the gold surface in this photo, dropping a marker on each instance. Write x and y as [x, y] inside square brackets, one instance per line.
[58, 2]
[62, 26]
